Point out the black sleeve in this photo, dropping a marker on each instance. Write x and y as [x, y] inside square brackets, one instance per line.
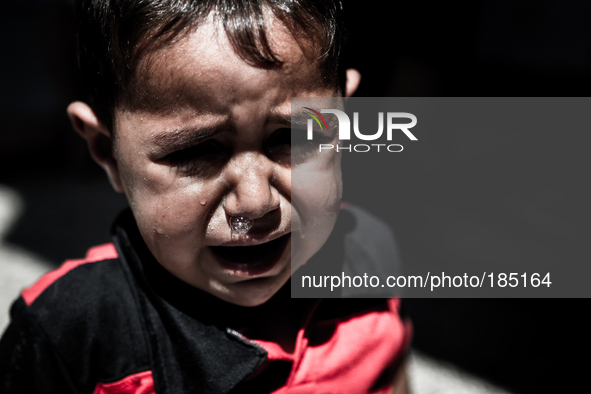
[28, 362]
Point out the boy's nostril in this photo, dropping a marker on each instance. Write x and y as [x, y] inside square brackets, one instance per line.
[255, 226]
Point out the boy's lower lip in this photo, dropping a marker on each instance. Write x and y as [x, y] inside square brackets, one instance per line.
[248, 261]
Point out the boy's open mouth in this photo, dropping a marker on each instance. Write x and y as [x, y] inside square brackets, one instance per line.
[251, 260]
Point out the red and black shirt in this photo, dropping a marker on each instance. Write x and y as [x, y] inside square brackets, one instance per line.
[117, 322]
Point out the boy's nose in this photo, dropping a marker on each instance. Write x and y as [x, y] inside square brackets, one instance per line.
[252, 192]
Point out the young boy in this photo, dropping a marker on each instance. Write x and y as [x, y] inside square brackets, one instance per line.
[188, 113]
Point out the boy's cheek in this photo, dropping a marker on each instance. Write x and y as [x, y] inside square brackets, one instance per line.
[168, 206]
[317, 186]
[316, 196]
[171, 226]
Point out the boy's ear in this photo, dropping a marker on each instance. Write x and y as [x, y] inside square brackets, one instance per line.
[353, 78]
[100, 143]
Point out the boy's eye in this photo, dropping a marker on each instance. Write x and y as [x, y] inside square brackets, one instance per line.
[287, 139]
[279, 145]
[201, 158]
[280, 139]
[292, 144]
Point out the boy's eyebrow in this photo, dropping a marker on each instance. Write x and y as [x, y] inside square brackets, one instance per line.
[182, 137]
[293, 120]
[299, 120]
[283, 118]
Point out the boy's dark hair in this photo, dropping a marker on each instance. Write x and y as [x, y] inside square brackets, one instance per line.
[114, 35]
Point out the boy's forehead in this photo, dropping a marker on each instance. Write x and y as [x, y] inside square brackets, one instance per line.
[202, 71]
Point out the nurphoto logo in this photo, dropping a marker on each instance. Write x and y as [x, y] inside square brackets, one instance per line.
[344, 127]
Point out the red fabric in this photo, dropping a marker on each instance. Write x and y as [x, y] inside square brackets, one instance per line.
[345, 355]
[139, 383]
[97, 253]
[275, 352]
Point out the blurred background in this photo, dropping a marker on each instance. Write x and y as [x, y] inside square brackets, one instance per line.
[55, 202]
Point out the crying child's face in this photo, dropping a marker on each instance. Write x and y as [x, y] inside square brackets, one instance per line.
[218, 146]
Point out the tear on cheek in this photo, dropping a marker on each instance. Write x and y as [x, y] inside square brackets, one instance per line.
[159, 233]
